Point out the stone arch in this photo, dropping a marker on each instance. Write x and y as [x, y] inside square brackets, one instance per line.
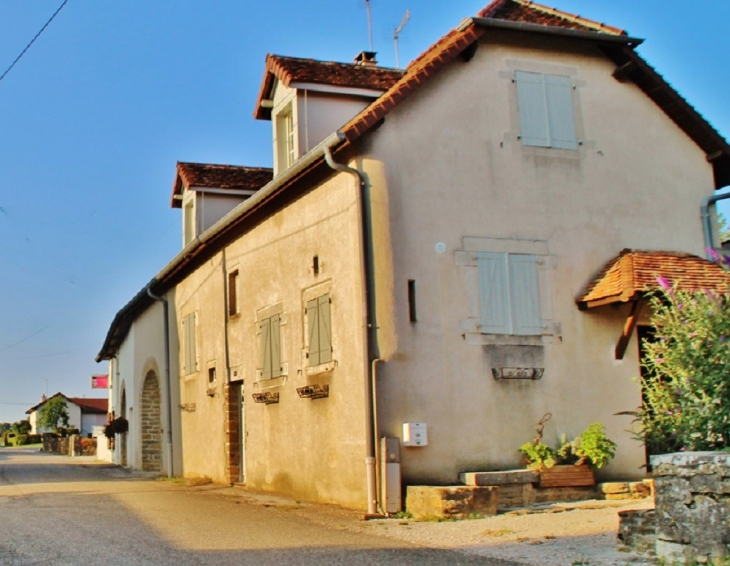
[151, 424]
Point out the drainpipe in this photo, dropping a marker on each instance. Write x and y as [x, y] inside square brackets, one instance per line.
[707, 221]
[165, 309]
[368, 268]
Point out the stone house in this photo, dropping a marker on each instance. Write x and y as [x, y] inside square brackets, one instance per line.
[441, 256]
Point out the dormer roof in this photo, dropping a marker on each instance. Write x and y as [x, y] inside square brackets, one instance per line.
[212, 176]
[293, 71]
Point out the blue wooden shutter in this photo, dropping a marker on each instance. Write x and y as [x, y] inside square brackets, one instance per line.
[532, 108]
[325, 329]
[275, 345]
[493, 295]
[265, 342]
[559, 97]
[525, 295]
[313, 332]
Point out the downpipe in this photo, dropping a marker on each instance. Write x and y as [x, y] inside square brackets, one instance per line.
[371, 330]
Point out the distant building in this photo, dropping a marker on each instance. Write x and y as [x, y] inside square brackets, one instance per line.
[83, 413]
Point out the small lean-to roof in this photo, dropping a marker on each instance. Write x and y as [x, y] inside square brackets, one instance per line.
[632, 273]
[225, 177]
[290, 70]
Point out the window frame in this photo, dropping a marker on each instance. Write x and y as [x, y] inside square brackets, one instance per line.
[546, 109]
[269, 318]
[189, 346]
[509, 294]
[318, 322]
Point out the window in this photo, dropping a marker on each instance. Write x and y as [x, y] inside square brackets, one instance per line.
[285, 151]
[190, 361]
[233, 293]
[319, 330]
[509, 294]
[546, 110]
[270, 346]
[188, 222]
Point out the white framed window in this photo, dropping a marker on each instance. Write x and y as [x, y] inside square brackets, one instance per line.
[190, 357]
[319, 330]
[509, 294]
[545, 106]
[286, 148]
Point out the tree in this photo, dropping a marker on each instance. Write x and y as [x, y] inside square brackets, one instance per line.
[21, 427]
[53, 411]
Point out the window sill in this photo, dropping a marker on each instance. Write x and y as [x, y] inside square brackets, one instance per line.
[321, 368]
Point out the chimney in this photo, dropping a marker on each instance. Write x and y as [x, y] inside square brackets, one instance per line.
[366, 59]
[43, 398]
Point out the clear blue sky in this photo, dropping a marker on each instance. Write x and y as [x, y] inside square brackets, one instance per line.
[113, 93]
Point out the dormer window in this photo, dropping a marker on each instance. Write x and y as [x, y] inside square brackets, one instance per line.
[189, 228]
[286, 148]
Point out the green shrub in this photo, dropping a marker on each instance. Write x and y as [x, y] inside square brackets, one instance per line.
[685, 388]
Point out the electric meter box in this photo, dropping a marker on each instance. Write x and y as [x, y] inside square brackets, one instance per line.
[415, 434]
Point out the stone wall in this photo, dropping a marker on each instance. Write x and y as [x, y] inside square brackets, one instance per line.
[692, 506]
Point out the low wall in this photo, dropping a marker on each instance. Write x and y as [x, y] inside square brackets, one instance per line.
[73, 445]
[692, 493]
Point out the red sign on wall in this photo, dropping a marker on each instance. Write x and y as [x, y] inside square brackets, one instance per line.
[99, 381]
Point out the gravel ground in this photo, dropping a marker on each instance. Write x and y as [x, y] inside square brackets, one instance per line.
[574, 534]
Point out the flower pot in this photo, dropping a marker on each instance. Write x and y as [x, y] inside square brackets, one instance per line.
[567, 476]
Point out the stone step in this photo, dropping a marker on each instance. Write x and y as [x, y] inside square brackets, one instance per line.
[508, 477]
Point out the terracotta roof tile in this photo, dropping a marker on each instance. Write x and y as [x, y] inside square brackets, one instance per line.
[91, 405]
[533, 13]
[234, 177]
[295, 69]
[632, 272]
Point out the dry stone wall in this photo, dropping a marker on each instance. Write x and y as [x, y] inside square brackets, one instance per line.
[692, 506]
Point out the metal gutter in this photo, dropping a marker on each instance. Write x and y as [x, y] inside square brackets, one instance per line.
[600, 37]
[709, 233]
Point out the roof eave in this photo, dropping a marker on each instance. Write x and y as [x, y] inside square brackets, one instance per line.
[598, 37]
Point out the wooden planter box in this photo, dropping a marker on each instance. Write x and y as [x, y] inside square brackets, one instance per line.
[567, 476]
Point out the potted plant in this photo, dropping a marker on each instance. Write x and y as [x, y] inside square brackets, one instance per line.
[572, 463]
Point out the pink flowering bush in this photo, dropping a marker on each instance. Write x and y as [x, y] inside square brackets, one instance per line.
[686, 386]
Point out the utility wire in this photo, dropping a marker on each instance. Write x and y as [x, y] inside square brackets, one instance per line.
[32, 41]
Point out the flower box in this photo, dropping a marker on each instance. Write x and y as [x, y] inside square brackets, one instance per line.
[567, 475]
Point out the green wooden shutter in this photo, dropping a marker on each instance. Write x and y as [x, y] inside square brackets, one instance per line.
[265, 342]
[313, 332]
[493, 294]
[276, 345]
[189, 354]
[325, 329]
[525, 295]
[559, 97]
[532, 108]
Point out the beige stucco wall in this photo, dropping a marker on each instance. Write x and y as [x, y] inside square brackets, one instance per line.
[143, 350]
[453, 167]
[309, 449]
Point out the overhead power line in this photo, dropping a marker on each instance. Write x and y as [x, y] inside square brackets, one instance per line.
[32, 41]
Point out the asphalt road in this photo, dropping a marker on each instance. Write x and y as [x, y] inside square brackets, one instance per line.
[68, 511]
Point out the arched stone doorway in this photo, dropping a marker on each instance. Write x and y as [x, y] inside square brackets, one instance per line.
[150, 416]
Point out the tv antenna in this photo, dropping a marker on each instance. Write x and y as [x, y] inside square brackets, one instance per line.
[396, 33]
[370, 23]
